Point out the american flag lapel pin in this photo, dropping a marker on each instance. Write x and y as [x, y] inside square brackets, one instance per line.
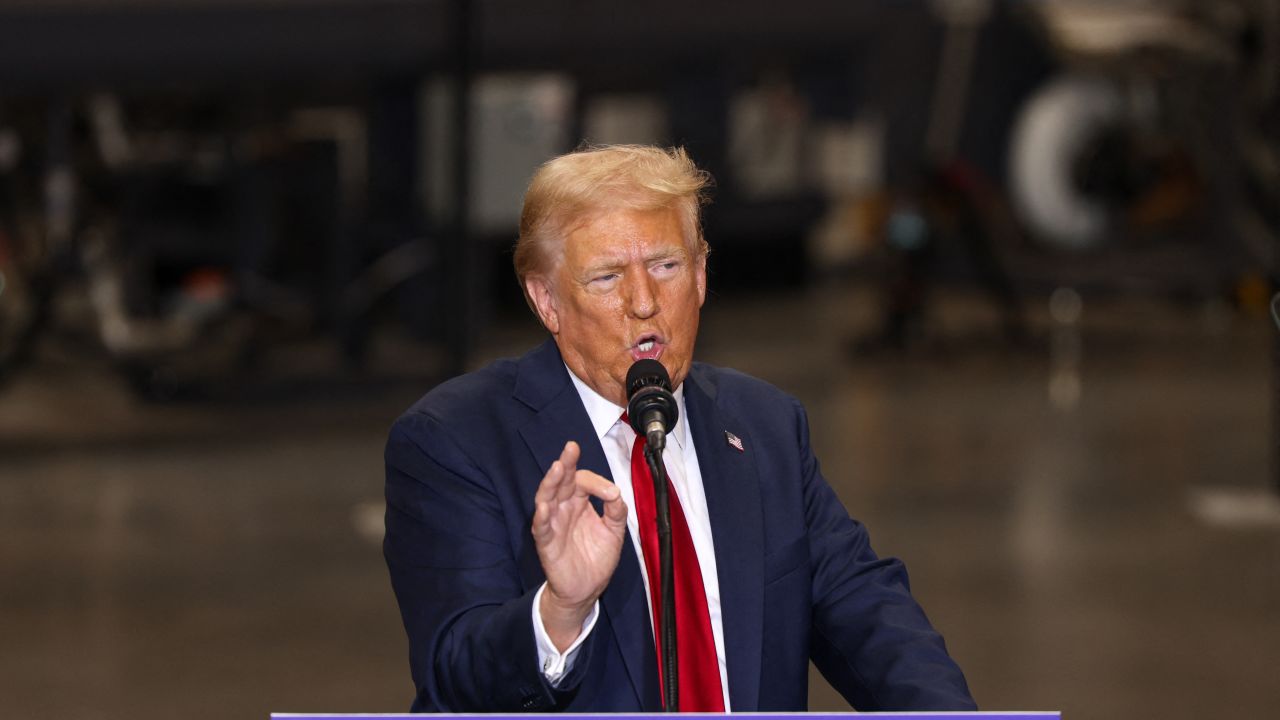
[734, 441]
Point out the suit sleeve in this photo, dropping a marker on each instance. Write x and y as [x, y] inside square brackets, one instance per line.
[467, 615]
[870, 638]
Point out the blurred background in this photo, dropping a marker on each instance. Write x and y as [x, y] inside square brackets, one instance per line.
[1016, 257]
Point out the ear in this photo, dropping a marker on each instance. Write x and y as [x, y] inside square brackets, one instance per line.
[700, 277]
[544, 302]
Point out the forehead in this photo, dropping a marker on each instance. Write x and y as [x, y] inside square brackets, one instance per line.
[624, 234]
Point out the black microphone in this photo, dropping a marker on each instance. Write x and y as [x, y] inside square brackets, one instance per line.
[651, 407]
[652, 410]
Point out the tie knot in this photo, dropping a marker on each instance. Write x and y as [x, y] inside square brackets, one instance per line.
[639, 440]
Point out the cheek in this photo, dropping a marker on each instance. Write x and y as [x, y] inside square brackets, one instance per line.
[686, 299]
[593, 314]
[609, 307]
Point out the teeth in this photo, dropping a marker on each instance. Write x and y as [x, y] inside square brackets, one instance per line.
[645, 346]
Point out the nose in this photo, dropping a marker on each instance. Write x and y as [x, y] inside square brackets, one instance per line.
[642, 297]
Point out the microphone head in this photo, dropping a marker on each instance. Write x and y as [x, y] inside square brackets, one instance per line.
[649, 397]
[647, 372]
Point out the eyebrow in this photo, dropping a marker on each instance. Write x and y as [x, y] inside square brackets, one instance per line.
[613, 263]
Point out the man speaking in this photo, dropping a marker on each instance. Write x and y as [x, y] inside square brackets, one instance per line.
[521, 538]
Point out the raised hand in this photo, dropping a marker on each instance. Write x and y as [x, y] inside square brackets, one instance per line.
[578, 548]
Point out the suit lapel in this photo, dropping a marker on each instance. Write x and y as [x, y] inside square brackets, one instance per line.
[732, 487]
[560, 418]
[544, 385]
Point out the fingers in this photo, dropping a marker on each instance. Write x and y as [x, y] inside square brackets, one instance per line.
[565, 489]
[615, 514]
[550, 484]
[564, 482]
[569, 456]
[554, 482]
[596, 486]
[615, 509]
[557, 487]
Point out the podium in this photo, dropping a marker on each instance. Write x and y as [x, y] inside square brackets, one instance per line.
[1022, 715]
[655, 716]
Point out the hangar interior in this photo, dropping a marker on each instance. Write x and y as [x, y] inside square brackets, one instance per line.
[1016, 259]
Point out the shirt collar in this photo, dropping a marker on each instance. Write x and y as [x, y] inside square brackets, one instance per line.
[604, 414]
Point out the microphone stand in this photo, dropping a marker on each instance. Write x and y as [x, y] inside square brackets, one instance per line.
[667, 622]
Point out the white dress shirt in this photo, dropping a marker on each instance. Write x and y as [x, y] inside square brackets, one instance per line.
[681, 460]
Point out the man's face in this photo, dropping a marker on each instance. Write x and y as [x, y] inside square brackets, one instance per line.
[625, 287]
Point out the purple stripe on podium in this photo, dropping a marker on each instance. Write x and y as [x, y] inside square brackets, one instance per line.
[653, 716]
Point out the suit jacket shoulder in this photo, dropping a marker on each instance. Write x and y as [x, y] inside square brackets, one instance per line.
[714, 380]
[759, 406]
[482, 408]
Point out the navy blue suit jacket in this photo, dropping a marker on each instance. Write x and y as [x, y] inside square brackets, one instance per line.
[798, 578]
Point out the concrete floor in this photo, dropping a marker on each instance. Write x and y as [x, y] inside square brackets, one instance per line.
[221, 560]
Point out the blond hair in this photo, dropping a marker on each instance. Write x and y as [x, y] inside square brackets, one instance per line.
[639, 177]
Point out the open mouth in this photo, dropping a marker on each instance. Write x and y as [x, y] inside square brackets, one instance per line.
[648, 346]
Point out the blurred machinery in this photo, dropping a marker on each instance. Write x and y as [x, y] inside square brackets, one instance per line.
[1159, 106]
[1146, 156]
[182, 185]
[176, 237]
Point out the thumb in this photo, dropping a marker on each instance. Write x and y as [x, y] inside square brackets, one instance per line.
[615, 514]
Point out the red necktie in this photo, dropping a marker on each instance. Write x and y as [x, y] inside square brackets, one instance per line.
[699, 669]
